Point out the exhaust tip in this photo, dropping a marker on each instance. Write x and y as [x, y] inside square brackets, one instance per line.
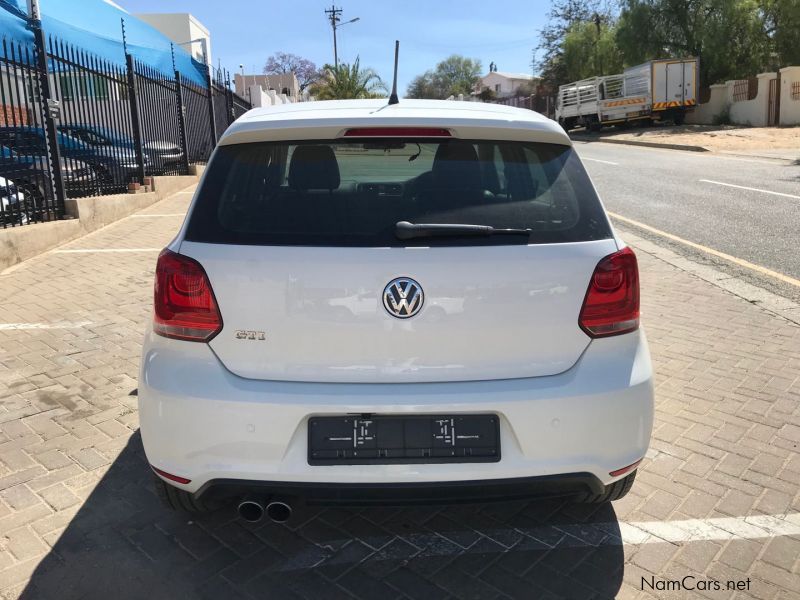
[280, 512]
[251, 510]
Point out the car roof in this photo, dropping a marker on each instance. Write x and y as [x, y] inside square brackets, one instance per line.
[329, 119]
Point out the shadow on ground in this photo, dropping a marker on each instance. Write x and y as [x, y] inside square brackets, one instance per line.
[123, 544]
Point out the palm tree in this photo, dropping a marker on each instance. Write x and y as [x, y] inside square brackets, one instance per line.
[348, 82]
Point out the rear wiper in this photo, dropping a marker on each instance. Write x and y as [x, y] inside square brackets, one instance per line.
[404, 230]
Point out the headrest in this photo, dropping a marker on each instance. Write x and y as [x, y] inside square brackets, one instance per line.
[314, 168]
[456, 166]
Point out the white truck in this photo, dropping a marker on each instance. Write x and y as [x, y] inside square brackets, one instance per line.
[656, 90]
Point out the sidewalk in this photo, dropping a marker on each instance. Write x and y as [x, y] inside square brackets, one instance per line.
[779, 143]
[78, 518]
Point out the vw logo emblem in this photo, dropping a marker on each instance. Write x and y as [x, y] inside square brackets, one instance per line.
[403, 297]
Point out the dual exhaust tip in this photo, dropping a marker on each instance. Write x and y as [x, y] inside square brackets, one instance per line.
[253, 510]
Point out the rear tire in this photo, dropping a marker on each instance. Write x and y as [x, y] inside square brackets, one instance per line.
[179, 500]
[614, 491]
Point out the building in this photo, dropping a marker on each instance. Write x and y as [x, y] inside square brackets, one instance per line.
[503, 84]
[285, 83]
[182, 28]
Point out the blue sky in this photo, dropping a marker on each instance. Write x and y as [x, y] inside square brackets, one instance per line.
[247, 32]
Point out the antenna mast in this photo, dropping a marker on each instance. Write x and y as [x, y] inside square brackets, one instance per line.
[393, 99]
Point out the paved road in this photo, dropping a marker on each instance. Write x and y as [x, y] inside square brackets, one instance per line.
[673, 192]
[715, 499]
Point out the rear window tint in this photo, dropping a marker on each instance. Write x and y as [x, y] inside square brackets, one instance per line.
[352, 193]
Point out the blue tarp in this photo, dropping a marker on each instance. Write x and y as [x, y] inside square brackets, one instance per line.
[95, 27]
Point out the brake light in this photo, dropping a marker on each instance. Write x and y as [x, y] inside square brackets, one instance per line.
[384, 132]
[611, 305]
[184, 303]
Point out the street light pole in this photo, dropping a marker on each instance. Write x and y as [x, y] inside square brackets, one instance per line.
[334, 15]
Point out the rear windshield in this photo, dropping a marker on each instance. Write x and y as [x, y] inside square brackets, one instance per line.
[352, 193]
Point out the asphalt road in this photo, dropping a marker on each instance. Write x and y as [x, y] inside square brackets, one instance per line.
[703, 198]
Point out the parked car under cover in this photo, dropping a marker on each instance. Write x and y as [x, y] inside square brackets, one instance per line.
[414, 302]
[115, 166]
[163, 155]
[31, 176]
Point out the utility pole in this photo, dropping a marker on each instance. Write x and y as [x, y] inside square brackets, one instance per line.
[334, 17]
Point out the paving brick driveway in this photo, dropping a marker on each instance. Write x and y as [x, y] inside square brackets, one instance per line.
[78, 518]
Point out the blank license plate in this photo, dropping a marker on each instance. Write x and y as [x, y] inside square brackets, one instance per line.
[403, 439]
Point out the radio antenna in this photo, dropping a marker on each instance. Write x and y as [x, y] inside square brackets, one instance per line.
[393, 99]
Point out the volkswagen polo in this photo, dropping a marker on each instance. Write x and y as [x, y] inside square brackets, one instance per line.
[414, 302]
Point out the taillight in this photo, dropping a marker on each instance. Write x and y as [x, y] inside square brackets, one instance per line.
[611, 305]
[184, 303]
[397, 132]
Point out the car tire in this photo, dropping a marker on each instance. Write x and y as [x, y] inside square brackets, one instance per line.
[179, 500]
[614, 491]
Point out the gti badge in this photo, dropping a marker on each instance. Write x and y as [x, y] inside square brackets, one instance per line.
[246, 334]
[403, 297]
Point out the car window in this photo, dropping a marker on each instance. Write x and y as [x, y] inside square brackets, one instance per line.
[352, 193]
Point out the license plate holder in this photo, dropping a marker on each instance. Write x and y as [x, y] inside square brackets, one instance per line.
[401, 439]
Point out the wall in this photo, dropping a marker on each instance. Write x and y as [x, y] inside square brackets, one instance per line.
[86, 214]
[790, 108]
[180, 28]
[753, 112]
[708, 111]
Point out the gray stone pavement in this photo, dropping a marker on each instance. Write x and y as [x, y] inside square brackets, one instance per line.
[79, 518]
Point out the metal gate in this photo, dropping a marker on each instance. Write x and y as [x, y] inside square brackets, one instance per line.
[774, 102]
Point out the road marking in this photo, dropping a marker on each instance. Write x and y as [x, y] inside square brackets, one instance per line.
[192, 192]
[737, 261]
[752, 189]
[605, 162]
[57, 325]
[87, 250]
[160, 215]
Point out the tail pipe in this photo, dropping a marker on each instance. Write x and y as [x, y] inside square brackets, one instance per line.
[252, 509]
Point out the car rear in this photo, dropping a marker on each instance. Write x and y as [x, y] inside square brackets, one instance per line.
[415, 302]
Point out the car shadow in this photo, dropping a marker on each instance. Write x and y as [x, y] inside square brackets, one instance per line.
[123, 544]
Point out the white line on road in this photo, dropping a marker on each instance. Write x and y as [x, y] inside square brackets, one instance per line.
[57, 325]
[738, 261]
[752, 189]
[605, 162]
[161, 215]
[87, 250]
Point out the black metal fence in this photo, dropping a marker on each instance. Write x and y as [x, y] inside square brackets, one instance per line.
[73, 124]
[26, 187]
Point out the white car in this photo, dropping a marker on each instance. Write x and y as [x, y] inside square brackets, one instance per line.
[12, 202]
[501, 354]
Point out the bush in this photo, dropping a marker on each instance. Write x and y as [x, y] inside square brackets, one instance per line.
[723, 117]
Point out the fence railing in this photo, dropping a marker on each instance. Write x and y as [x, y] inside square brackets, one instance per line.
[73, 124]
[26, 185]
[745, 89]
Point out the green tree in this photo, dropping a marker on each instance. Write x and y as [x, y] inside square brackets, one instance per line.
[454, 75]
[727, 35]
[781, 21]
[590, 49]
[348, 82]
[564, 14]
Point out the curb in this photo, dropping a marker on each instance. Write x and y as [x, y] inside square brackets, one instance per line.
[579, 138]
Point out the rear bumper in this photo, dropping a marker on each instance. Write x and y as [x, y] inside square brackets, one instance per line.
[201, 422]
[366, 494]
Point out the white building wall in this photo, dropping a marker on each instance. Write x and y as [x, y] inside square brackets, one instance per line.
[180, 28]
[790, 106]
[752, 112]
